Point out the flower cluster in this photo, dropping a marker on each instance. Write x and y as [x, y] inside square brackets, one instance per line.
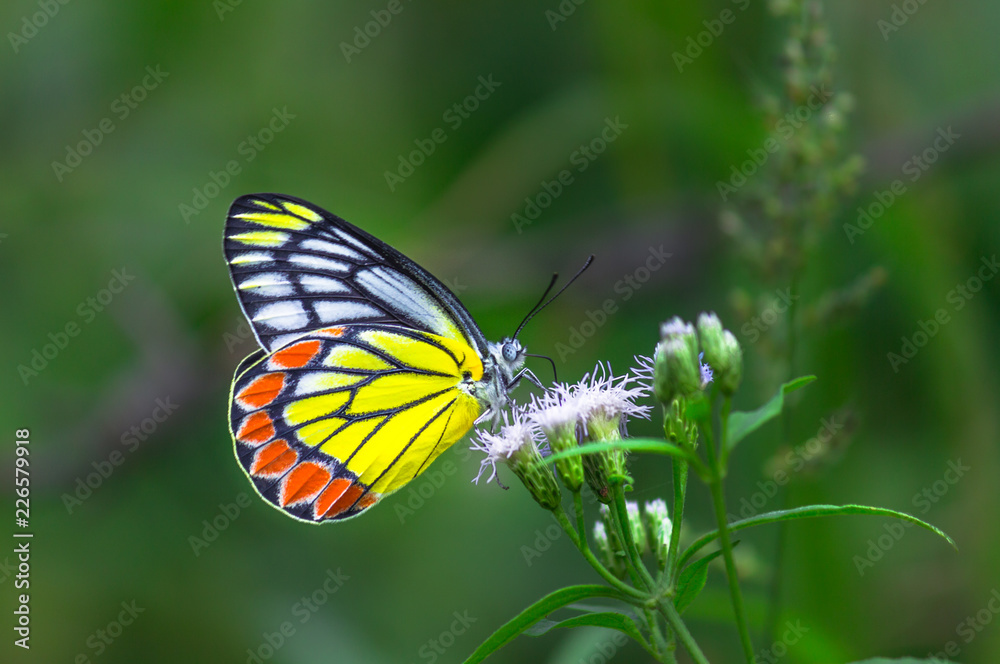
[594, 410]
[686, 361]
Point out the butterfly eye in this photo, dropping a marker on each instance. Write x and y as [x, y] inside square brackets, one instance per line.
[510, 350]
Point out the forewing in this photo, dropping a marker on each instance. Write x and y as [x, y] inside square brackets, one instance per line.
[297, 268]
[328, 424]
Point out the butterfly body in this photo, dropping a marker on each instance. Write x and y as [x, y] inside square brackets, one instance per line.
[369, 367]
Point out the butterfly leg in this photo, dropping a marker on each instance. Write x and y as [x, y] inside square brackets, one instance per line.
[528, 375]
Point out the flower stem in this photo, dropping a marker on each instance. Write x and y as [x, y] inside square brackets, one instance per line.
[675, 621]
[719, 502]
[612, 580]
[581, 524]
[680, 470]
[619, 515]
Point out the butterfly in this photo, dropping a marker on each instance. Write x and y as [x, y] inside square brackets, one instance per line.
[369, 367]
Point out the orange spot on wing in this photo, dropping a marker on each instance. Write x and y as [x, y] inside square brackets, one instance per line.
[295, 356]
[262, 391]
[366, 502]
[331, 332]
[304, 482]
[346, 500]
[274, 459]
[256, 429]
[330, 496]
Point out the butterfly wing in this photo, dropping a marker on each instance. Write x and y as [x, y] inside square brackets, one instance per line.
[298, 268]
[328, 424]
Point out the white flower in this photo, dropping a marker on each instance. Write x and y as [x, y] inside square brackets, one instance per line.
[515, 433]
[656, 510]
[601, 392]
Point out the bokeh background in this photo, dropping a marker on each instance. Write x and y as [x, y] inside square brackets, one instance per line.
[173, 335]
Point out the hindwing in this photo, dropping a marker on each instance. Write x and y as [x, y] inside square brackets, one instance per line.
[327, 424]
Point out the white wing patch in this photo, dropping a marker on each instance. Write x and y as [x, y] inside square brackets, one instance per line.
[317, 263]
[345, 310]
[405, 296]
[268, 284]
[357, 244]
[316, 284]
[252, 257]
[333, 249]
[287, 315]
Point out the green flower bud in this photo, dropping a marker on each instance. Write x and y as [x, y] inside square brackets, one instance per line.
[528, 465]
[638, 531]
[659, 529]
[680, 366]
[605, 469]
[729, 380]
[722, 352]
[614, 554]
[515, 446]
[710, 333]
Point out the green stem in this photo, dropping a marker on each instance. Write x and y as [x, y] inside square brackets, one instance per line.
[719, 502]
[581, 523]
[620, 515]
[669, 612]
[612, 580]
[659, 646]
[680, 470]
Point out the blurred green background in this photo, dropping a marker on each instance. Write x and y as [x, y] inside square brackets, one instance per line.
[174, 332]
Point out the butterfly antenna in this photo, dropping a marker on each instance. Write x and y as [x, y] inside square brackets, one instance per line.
[538, 307]
[555, 376]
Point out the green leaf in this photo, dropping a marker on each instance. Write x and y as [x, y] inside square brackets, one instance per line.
[609, 619]
[536, 612]
[809, 512]
[653, 445]
[692, 580]
[743, 424]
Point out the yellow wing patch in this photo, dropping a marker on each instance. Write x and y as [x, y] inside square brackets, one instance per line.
[275, 220]
[261, 238]
[351, 357]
